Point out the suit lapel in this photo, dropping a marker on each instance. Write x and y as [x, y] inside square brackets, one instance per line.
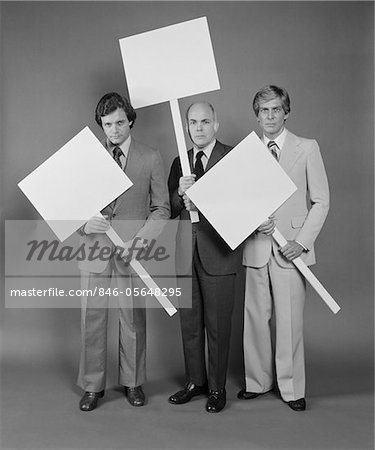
[217, 153]
[290, 152]
[134, 162]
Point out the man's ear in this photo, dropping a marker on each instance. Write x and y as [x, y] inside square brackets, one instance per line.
[216, 126]
[131, 123]
[285, 117]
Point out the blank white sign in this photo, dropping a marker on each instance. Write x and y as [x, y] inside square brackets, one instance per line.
[74, 184]
[242, 190]
[169, 63]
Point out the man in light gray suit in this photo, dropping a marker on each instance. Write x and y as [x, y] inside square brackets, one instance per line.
[137, 215]
[273, 284]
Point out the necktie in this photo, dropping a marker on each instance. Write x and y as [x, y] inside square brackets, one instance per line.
[117, 152]
[273, 147]
[198, 168]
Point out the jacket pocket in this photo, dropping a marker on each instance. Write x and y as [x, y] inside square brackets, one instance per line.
[298, 221]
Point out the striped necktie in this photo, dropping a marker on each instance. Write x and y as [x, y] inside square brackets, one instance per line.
[117, 152]
[273, 147]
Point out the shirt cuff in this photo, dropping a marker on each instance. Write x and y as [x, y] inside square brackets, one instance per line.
[81, 230]
[306, 249]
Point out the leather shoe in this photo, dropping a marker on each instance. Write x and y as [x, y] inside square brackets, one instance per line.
[245, 395]
[89, 401]
[190, 390]
[297, 405]
[135, 395]
[216, 401]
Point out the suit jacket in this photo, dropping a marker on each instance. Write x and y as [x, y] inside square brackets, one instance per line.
[138, 212]
[302, 216]
[216, 256]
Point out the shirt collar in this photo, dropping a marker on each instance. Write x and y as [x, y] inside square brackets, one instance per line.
[124, 146]
[206, 150]
[279, 140]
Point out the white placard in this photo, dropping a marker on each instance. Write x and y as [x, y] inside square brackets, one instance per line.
[242, 190]
[169, 63]
[74, 184]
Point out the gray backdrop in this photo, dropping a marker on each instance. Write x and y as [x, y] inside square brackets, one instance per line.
[58, 59]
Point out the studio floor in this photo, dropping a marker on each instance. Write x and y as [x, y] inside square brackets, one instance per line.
[39, 410]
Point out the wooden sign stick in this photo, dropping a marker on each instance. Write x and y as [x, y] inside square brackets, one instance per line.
[181, 145]
[142, 273]
[310, 277]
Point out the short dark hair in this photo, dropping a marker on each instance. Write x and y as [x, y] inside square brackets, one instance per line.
[109, 103]
[268, 93]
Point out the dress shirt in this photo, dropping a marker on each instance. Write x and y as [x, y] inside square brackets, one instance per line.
[207, 153]
[279, 141]
[124, 148]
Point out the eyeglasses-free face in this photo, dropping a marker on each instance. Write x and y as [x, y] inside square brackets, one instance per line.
[271, 117]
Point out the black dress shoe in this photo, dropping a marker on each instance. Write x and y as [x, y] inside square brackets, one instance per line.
[89, 401]
[297, 405]
[190, 390]
[245, 395]
[135, 395]
[216, 401]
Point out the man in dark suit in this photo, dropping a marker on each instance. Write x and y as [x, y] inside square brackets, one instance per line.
[137, 215]
[213, 269]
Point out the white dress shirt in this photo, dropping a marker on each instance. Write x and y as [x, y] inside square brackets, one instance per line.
[279, 141]
[207, 153]
[124, 148]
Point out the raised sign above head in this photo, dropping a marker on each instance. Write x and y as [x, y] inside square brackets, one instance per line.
[169, 63]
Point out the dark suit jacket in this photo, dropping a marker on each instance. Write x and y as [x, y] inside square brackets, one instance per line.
[141, 210]
[216, 256]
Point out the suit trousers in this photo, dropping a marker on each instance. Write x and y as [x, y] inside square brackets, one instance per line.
[94, 320]
[274, 289]
[210, 313]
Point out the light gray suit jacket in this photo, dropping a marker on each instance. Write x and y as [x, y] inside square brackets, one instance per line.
[138, 212]
[302, 216]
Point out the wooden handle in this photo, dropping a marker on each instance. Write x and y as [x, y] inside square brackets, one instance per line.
[143, 274]
[310, 277]
[181, 145]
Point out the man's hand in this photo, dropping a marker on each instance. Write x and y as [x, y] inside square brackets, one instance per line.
[123, 251]
[189, 205]
[267, 227]
[185, 183]
[96, 224]
[291, 250]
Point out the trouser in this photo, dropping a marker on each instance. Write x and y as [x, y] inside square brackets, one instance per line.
[274, 289]
[132, 331]
[210, 313]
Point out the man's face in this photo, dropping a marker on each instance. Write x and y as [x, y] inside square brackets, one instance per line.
[116, 126]
[271, 117]
[202, 126]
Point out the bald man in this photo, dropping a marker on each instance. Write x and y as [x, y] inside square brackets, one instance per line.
[213, 268]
